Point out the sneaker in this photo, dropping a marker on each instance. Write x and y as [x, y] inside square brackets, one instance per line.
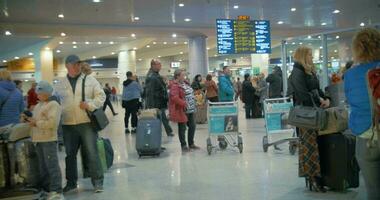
[55, 196]
[127, 131]
[98, 189]
[185, 149]
[193, 146]
[69, 187]
[133, 130]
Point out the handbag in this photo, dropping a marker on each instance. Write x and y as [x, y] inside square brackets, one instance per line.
[98, 118]
[308, 117]
[337, 121]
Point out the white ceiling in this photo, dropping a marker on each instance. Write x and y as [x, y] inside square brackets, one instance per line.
[31, 21]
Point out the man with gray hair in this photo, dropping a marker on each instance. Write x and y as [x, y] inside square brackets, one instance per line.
[77, 129]
[156, 94]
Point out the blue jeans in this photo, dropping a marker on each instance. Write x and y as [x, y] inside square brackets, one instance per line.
[75, 136]
[50, 173]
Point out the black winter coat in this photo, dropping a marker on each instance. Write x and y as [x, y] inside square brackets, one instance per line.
[275, 85]
[155, 92]
[304, 86]
[248, 92]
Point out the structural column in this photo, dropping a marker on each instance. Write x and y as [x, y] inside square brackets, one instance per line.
[284, 68]
[126, 62]
[325, 75]
[43, 62]
[198, 56]
[260, 62]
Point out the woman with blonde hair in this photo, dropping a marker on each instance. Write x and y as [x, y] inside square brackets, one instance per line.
[366, 51]
[86, 68]
[305, 87]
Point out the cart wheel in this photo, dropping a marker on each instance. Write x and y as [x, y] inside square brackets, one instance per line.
[240, 140]
[292, 148]
[223, 144]
[240, 146]
[265, 144]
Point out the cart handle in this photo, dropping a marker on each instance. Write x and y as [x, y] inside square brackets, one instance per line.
[222, 103]
[276, 99]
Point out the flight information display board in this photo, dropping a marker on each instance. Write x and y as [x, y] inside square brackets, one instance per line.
[243, 36]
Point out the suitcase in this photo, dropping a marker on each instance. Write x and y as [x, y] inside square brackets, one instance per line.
[27, 172]
[201, 114]
[148, 137]
[106, 155]
[339, 167]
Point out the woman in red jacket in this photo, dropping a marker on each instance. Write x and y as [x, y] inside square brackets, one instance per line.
[182, 108]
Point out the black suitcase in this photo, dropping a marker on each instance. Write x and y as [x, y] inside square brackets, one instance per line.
[339, 167]
[148, 137]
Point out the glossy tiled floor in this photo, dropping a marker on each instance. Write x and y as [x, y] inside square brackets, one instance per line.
[196, 175]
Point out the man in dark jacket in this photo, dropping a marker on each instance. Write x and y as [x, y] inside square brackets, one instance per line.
[248, 96]
[107, 91]
[156, 94]
[275, 83]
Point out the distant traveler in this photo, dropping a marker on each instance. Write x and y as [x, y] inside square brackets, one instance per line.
[366, 51]
[211, 89]
[107, 91]
[32, 98]
[114, 93]
[248, 92]
[86, 68]
[237, 88]
[131, 101]
[77, 129]
[226, 89]
[197, 83]
[275, 83]
[19, 85]
[156, 94]
[262, 91]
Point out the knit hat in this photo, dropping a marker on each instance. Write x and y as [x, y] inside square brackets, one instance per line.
[44, 87]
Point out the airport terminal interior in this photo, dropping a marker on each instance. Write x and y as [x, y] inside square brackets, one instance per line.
[201, 37]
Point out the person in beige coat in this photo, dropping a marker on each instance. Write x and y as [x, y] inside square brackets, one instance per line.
[44, 127]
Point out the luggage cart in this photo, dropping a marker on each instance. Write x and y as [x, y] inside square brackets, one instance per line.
[223, 123]
[276, 114]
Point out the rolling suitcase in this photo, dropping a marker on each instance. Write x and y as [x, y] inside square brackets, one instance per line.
[148, 137]
[339, 167]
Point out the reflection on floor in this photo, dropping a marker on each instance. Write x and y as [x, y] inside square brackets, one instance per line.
[196, 175]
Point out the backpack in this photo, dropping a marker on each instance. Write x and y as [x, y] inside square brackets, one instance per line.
[373, 82]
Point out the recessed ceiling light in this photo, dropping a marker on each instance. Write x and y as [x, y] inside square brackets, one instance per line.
[293, 43]
[61, 16]
[93, 57]
[324, 24]
[30, 53]
[112, 42]
[321, 47]
[337, 37]
[185, 42]
[181, 52]
[332, 57]
[75, 47]
[319, 37]
[293, 9]
[87, 42]
[16, 57]
[336, 11]
[236, 6]
[181, 5]
[187, 19]
[133, 35]
[4, 61]
[175, 43]
[300, 43]
[63, 34]
[134, 48]
[174, 35]
[180, 60]
[140, 59]
[74, 42]
[154, 42]
[147, 46]
[112, 53]
[99, 42]
[215, 55]
[8, 33]
[309, 37]
[280, 22]
[159, 56]
[58, 51]
[335, 51]
[290, 51]
[165, 43]
[136, 18]
[47, 48]
[60, 42]
[96, 1]
[208, 48]
[362, 24]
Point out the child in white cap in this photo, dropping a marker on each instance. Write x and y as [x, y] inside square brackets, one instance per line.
[44, 123]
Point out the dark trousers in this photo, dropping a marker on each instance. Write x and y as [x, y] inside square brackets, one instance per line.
[213, 99]
[131, 109]
[82, 135]
[369, 162]
[249, 110]
[190, 133]
[50, 173]
[165, 121]
[108, 103]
